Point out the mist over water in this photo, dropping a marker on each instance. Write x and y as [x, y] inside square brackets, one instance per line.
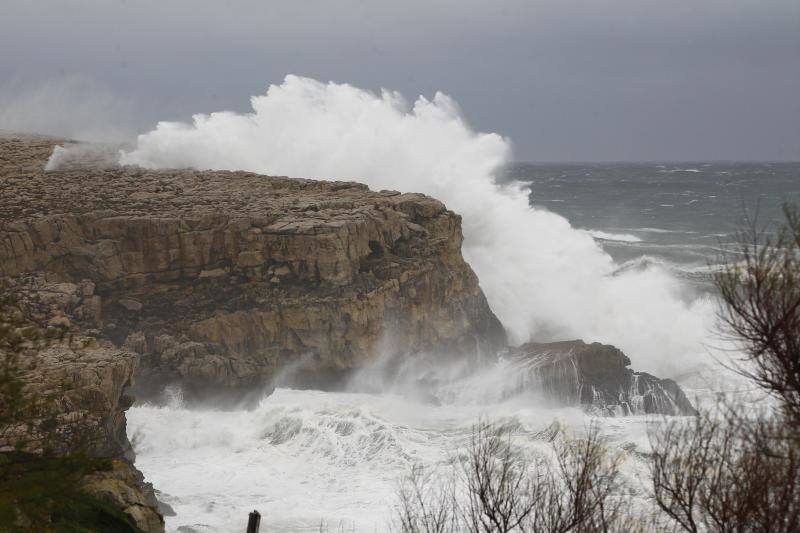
[543, 278]
[308, 457]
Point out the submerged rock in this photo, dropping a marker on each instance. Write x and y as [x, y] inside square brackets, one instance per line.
[596, 377]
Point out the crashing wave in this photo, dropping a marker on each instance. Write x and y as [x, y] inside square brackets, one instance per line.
[538, 272]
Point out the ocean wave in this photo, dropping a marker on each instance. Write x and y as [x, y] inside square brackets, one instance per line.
[539, 273]
[657, 230]
[302, 457]
[662, 230]
[605, 236]
[697, 271]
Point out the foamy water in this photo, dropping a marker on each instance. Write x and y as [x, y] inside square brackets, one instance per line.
[305, 458]
[308, 457]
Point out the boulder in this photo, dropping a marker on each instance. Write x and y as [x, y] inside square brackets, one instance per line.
[596, 377]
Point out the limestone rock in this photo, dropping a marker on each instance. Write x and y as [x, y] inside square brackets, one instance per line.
[74, 394]
[220, 279]
[121, 487]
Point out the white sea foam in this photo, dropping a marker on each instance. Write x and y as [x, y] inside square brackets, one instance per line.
[542, 277]
[673, 170]
[306, 457]
[620, 237]
[662, 230]
[681, 270]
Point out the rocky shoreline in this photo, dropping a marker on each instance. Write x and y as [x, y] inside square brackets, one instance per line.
[596, 377]
[220, 281]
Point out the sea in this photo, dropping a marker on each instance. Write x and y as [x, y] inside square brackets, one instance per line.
[680, 215]
[333, 461]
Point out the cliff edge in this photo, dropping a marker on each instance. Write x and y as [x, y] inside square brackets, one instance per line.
[220, 279]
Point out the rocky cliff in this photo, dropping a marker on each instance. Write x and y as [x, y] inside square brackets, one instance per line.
[220, 279]
[225, 281]
[596, 377]
[64, 397]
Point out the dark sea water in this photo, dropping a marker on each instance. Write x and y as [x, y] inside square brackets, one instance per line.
[677, 214]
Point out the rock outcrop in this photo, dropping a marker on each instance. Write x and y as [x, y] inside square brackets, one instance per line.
[596, 377]
[122, 486]
[220, 279]
[68, 395]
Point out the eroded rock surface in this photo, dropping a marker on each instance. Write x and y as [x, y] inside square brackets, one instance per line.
[596, 377]
[220, 279]
[72, 397]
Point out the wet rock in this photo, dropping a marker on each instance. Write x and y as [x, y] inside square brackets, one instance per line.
[596, 377]
[130, 304]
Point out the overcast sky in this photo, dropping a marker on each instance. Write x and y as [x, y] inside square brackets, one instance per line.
[565, 80]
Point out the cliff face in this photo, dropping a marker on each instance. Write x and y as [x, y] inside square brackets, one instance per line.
[87, 384]
[67, 395]
[220, 279]
[596, 377]
[79, 380]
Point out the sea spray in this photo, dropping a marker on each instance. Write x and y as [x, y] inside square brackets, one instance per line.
[305, 457]
[544, 279]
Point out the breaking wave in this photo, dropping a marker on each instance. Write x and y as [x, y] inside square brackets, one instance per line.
[543, 278]
[308, 457]
[619, 237]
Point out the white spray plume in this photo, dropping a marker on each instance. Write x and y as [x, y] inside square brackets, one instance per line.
[543, 278]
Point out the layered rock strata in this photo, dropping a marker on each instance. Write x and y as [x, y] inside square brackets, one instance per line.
[220, 279]
[596, 377]
[72, 395]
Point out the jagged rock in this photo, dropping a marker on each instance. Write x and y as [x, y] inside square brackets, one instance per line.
[596, 377]
[219, 279]
[86, 383]
[123, 487]
[73, 395]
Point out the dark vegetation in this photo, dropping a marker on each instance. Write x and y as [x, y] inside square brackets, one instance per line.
[42, 467]
[760, 289]
[730, 469]
[737, 469]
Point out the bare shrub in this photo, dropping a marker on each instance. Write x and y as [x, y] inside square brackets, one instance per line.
[725, 472]
[495, 488]
[759, 285]
[426, 504]
[733, 470]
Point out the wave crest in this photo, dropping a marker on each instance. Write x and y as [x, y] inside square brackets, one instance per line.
[543, 278]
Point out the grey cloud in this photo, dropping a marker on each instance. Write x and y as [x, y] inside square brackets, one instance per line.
[71, 106]
[566, 80]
